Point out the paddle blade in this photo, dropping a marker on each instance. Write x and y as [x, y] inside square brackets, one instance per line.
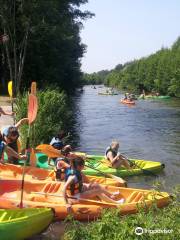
[32, 108]
[33, 88]
[10, 88]
[49, 150]
[33, 158]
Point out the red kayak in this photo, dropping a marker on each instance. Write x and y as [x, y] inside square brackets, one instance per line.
[127, 101]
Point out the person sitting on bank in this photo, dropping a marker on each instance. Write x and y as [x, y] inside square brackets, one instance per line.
[10, 136]
[116, 158]
[6, 113]
[75, 186]
[10, 152]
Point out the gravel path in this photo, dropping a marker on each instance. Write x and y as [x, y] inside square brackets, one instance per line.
[5, 120]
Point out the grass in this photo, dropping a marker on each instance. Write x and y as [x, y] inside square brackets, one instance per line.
[156, 224]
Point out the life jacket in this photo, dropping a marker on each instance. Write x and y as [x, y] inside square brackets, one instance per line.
[109, 149]
[57, 143]
[2, 145]
[75, 187]
[60, 171]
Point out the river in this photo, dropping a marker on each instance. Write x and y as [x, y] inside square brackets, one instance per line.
[149, 130]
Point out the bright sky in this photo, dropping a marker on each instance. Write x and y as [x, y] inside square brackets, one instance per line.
[123, 30]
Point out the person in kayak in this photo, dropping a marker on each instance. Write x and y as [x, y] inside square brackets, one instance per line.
[116, 158]
[10, 136]
[9, 151]
[75, 187]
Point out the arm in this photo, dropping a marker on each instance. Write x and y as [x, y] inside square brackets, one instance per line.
[68, 182]
[6, 113]
[110, 156]
[22, 121]
[13, 153]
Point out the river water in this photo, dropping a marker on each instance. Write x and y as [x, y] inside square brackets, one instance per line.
[149, 130]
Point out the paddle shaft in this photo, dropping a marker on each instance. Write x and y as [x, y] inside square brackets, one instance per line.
[106, 174]
[24, 166]
[76, 198]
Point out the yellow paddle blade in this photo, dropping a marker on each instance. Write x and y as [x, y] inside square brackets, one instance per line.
[10, 88]
[33, 88]
[49, 150]
[33, 158]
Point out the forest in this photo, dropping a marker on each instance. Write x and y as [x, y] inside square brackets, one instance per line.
[158, 72]
[40, 41]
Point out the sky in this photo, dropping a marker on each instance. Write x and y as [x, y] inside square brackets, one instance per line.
[124, 30]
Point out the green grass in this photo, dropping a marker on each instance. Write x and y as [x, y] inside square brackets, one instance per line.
[112, 226]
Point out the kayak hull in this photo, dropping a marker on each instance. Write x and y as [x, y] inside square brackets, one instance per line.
[19, 224]
[98, 161]
[127, 102]
[50, 195]
[11, 171]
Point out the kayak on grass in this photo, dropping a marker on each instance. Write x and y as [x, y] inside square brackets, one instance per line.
[50, 195]
[34, 174]
[99, 162]
[20, 224]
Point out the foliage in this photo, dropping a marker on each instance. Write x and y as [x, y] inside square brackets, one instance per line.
[114, 227]
[44, 35]
[94, 78]
[53, 115]
[159, 72]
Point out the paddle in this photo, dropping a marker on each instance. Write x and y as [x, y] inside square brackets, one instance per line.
[77, 198]
[118, 179]
[10, 91]
[32, 113]
[50, 151]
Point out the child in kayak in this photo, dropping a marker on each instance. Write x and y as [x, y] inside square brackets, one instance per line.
[116, 159]
[76, 188]
[9, 151]
[10, 136]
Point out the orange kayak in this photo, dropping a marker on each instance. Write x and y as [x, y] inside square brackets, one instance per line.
[11, 171]
[49, 194]
[127, 102]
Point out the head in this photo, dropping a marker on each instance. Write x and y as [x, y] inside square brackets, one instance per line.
[66, 150]
[115, 145]
[13, 134]
[61, 134]
[77, 163]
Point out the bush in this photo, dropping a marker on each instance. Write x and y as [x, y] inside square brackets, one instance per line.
[53, 115]
[114, 227]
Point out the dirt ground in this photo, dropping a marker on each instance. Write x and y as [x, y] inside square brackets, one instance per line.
[5, 104]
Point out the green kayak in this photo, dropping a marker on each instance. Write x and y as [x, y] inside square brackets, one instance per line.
[157, 97]
[23, 223]
[96, 161]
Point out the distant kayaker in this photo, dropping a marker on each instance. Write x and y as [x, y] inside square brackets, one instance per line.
[5, 148]
[76, 188]
[10, 136]
[6, 113]
[116, 158]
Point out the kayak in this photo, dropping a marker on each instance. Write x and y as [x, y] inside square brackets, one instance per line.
[126, 101]
[11, 171]
[50, 195]
[19, 224]
[155, 97]
[101, 93]
[98, 162]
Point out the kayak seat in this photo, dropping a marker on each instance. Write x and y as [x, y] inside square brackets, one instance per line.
[52, 187]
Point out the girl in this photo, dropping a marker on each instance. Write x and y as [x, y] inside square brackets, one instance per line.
[74, 185]
[116, 158]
